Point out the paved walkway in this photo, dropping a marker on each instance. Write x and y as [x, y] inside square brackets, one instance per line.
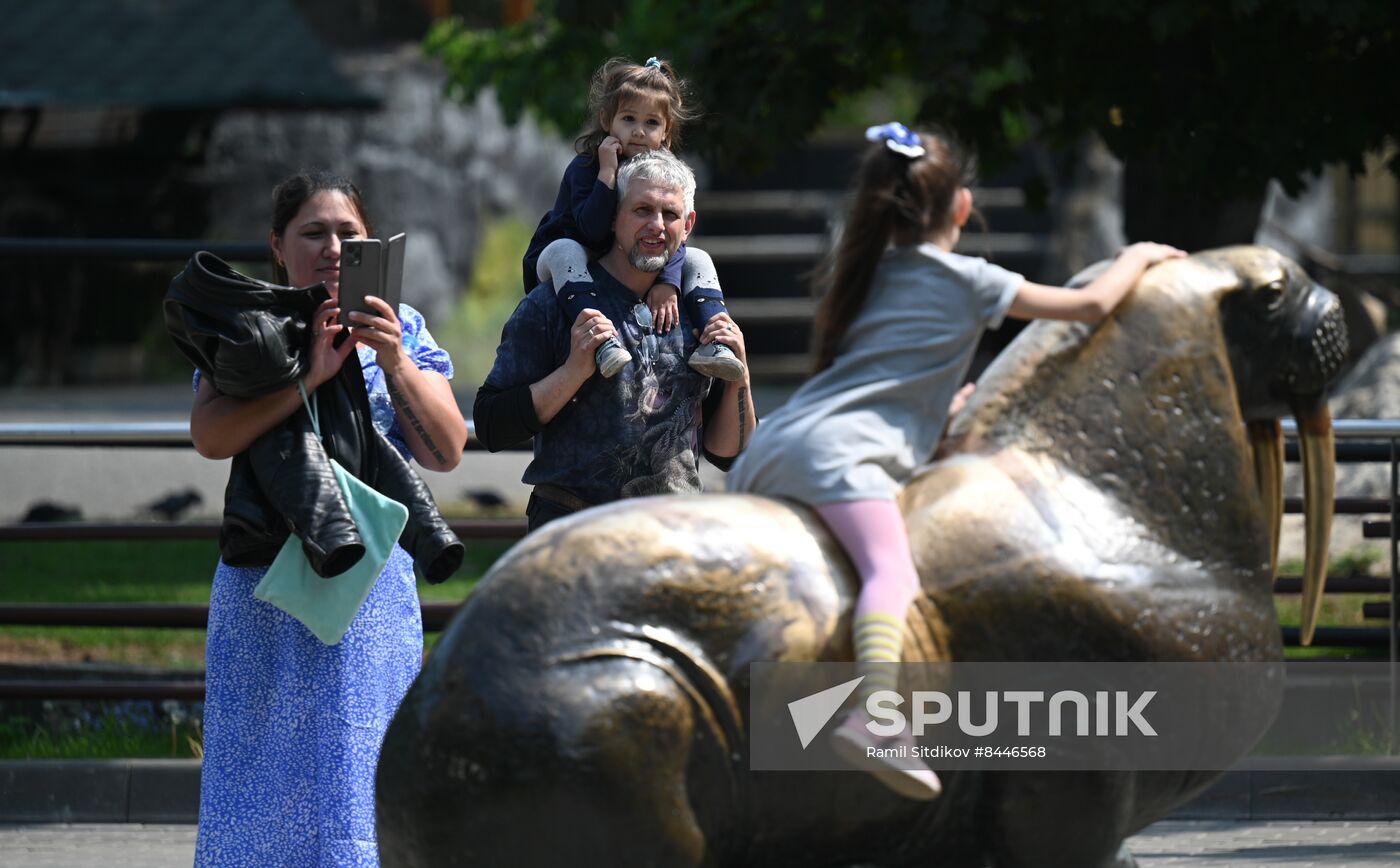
[1264, 844]
[1194, 843]
[96, 845]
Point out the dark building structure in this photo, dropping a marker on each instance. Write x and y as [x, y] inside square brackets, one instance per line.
[105, 112]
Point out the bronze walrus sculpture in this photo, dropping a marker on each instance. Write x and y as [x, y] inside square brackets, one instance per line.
[1111, 494]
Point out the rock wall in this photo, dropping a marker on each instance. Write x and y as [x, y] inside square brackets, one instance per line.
[1089, 209]
[1371, 390]
[427, 165]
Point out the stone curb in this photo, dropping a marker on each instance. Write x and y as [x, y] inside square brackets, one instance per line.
[1302, 788]
[167, 791]
[99, 791]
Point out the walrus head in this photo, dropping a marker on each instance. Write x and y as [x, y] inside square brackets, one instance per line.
[1287, 340]
[1235, 336]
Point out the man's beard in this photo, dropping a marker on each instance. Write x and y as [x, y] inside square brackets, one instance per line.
[644, 263]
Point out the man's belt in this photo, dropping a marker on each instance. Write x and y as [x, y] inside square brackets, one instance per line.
[561, 497]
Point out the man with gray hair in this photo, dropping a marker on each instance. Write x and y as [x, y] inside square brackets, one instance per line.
[638, 433]
[689, 271]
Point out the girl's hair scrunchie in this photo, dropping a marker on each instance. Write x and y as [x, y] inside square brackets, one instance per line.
[898, 138]
[653, 62]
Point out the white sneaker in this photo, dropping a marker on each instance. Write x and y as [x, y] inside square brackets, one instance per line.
[907, 776]
[611, 357]
[717, 360]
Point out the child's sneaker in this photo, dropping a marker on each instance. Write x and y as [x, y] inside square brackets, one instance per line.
[717, 360]
[612, 357]
[890, 761]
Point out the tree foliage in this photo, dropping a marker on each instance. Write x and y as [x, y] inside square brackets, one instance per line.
[1223, 94]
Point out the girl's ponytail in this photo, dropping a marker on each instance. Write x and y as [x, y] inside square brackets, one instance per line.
[903, 195]
[844, 281]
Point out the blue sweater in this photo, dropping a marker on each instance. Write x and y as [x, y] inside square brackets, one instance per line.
[584, 211]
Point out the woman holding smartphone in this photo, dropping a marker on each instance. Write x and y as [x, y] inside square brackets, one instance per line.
[292, 726]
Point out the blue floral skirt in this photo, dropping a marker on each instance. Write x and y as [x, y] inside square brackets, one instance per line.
[292, 727]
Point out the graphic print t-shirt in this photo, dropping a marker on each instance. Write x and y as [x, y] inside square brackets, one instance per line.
[635, 434]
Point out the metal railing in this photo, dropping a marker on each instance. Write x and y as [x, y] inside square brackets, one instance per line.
[466, 528]
[154, 435]
[127, 435]
[1371, 440]
[1387, 432]
[1357, 441]
[136, 249]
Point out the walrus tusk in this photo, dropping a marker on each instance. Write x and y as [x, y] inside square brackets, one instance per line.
[1319, 484]
[1266, 450]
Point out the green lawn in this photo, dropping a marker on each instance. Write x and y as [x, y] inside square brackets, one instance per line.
[176, 571]
[127, 572]
[108, 729]
[1337, 610]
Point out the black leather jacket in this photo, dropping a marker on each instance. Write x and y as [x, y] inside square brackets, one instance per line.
[250, 338]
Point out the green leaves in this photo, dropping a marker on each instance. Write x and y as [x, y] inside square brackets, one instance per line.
[993, 82]
[1225, 94]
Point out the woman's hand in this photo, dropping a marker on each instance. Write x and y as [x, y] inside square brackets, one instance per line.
[222, 426]
[382, 332]
[724, 330]
[325, 357]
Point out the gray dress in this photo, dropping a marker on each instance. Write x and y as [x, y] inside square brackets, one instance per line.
[858, 430]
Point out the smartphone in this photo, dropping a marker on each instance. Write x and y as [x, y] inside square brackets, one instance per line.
[369, 266]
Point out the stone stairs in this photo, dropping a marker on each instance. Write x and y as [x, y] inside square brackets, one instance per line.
[768, 233]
